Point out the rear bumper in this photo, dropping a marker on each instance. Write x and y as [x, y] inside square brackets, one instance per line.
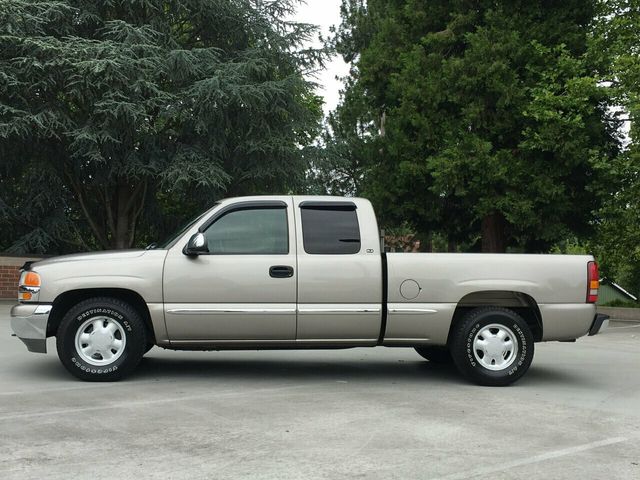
[566, 321]
[600, 322]
[29, 323]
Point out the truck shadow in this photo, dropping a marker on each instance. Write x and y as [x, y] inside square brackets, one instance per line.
[313, 369]
[305, 369]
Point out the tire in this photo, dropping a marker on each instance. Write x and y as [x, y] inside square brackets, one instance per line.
[439, 355]
[481, 350]
[115, 350]
[148, 347]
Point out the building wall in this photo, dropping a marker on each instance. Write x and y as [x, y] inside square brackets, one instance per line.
[9, 275]
[607, 293]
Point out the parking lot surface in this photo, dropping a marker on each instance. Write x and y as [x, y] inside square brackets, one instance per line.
[323, 414]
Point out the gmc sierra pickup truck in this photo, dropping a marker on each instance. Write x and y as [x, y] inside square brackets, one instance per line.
[278, 272]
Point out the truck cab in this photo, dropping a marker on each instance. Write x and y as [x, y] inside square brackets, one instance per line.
[277, 271]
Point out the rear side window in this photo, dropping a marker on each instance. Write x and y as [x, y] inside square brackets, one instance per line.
[330, 229]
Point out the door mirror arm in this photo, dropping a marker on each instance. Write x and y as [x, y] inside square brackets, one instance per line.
[197, 245]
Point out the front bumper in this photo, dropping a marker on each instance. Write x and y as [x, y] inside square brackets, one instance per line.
[29, 323]
[600, 322]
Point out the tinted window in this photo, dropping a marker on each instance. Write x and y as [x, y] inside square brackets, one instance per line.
[330, 230]
[250, 231]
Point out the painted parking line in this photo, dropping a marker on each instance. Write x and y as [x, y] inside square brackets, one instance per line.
[535, 459]
[139, 403]
[82, 386]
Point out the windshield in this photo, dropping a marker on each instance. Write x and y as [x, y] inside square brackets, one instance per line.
[171, 239]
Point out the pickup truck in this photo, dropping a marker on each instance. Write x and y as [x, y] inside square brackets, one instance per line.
[282, 272]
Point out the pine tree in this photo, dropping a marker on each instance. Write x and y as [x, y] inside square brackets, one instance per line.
[485, 121]
[112, 112]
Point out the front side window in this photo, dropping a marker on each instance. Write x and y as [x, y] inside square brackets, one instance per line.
[258, 231]
[330, 229]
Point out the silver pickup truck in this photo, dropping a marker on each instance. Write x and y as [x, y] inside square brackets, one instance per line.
[278, 272]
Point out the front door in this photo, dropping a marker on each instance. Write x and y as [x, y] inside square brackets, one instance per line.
[244, 288]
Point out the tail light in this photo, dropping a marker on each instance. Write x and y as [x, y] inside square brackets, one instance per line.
[593, 282]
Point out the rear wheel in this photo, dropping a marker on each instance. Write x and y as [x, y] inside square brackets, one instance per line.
[101, 339]
[435, 354]
[492, 346]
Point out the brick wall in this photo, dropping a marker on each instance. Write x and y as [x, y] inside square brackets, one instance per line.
[9, 274]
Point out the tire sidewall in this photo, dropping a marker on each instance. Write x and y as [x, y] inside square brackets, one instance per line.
[123, 315]
[466, 360]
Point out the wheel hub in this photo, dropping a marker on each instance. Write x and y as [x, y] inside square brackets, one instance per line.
[100, 341]
[495, 347]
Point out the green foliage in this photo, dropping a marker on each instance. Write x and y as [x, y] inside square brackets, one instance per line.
[622, 303]
[617, 243]
[570, 246]
[117, 112]
[478, 117]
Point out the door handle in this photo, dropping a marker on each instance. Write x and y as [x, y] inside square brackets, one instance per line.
[281, 271]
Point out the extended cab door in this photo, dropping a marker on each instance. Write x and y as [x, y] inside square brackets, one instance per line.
[339, 271]
[244, 289]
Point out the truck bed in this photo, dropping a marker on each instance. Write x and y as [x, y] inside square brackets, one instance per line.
[424, 290]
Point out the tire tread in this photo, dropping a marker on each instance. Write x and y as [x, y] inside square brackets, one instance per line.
[136, 342]
[478, 374]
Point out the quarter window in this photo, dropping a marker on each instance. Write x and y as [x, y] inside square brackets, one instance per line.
[330, 229]
[259, 231]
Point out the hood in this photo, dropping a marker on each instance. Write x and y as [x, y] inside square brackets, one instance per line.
[106, 255]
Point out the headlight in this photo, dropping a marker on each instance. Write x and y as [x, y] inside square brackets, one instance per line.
[29, 287]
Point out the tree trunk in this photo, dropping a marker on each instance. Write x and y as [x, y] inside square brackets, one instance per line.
[494, 239]
[126, 208]
[120, 236]
[120, 229]
[112, 211]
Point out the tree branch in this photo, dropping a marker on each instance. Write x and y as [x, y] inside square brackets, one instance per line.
[136, 215]
[100, 235]
[110, 220]
[134, 195]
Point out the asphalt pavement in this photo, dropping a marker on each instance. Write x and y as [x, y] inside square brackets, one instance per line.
[380, 413]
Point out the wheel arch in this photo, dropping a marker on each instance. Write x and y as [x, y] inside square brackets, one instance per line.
[522, 303]
[66, 300]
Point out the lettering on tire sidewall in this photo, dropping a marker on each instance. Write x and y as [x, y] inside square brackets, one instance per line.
[93, 369]
[522, 347]
[107, 312]
[100, 311]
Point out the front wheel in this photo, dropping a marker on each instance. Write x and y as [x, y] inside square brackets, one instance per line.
[101, 339]
[492, 346]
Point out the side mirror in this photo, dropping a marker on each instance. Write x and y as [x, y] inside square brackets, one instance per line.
[197, 244]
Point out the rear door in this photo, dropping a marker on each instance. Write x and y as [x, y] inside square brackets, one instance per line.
[244, 289]
[339, 271]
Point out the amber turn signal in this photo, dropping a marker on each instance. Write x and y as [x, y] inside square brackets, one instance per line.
[25, 296]
[31, 279]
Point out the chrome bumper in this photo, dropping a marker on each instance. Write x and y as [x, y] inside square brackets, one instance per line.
[29, 323]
